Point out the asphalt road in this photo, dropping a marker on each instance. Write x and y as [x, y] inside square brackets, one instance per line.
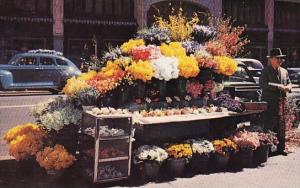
[15, 110]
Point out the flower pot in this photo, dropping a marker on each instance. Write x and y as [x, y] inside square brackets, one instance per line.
[261, 154]
[141, 89]
[28, 167]
[176, 167]
[150, 170]
[221, 161]
[181, 86]
[68, 137]
[245, 157]
[53, 175]
[199, 163]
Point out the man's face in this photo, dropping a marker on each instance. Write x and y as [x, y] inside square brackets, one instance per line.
[276, 62]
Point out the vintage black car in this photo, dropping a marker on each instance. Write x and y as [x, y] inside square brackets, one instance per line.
[294, 74]
[37, 69]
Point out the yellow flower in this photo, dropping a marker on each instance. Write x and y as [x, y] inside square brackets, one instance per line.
[188, 66]
[141, 70]
[87, 76]
[74, 85]
[173, 49]
[128, 46]
[179, 150]
[225, 65]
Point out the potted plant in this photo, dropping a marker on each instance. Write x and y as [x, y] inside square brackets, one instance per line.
[247, 143]
[149, 159]
[266, 140]
[55, 160]
[202, 150]
[178, 155]
[223, 149]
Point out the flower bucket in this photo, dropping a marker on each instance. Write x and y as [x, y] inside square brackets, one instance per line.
[162, 85]
[245, 158]
[29, 167]
[181, 86]
[221, 161]
[141, 89]
[150, 170]
[123, 94]
[176, 167]
[199, 163]
[54, 175]
[205, 75]
[261, 154]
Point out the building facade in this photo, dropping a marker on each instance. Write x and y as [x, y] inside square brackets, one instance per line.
[75, 26]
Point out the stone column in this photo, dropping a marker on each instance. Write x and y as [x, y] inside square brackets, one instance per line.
[58, 25]
[269, 21]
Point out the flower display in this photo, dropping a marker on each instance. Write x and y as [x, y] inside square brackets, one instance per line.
[216, 48]
[141, 70]
[188, 66]
[56, 158]
[154, 35]
[88, 95]
[111, 152]
[150, 153]
[202, 147]
[111, 55]
[127, 47]
[25, 140]
[165, 68]
[178, 151]
[247, 140]
[174, 49]
[226, 65]
[224, 147]
[179, 26]
[141, 53]
[194, 89]
[225, 100]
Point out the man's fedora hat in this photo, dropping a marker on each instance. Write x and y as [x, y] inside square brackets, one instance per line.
[276, 52]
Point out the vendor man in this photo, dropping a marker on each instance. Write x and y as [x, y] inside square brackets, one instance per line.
[275, 84]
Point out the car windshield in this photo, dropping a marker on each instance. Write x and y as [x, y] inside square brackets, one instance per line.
[241, 75]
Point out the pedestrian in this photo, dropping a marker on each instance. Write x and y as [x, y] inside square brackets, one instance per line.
[275, 84]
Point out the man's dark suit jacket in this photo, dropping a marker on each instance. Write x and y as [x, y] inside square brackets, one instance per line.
[269, 74]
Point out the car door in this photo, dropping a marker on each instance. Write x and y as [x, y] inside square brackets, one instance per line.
[25, 73]
[49, 73]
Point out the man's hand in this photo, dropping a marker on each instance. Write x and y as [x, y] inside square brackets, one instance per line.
[285, 88]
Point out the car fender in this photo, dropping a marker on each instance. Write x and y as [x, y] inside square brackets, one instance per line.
[6, 79]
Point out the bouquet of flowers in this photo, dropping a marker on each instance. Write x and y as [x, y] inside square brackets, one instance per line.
[205, 59]
[75, 85]
[225, 65]
[194, 89]
[247, 140]
[178, 151]
[154, 35]
[25, 140]
[225, 146]
[150, 153]
[56, 158]
[88, 96]
[191, 46]
[188, 66]
[141, 70]
[127, 47]
[111, 55]
[224, 100]
[268, 138]
[202, 147]
[173, 49]
[202, 33]
[165, 68]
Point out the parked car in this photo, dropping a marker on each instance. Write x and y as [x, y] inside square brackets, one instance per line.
[254, 66]
[37, 69]
[294, 74]
[243, 84]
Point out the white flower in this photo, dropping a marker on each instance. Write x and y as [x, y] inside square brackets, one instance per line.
[165, 68]
[202, 147]
[151, 153]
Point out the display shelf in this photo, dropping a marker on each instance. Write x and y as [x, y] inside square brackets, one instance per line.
[113, 159]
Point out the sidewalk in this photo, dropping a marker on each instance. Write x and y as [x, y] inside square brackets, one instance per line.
[278, 172]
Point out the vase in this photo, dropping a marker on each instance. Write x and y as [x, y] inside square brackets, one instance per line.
[181, 87]
[176, 167]
[150, 170]
[245, 157]
[199, 163]
[261, 154]
[141, 89]
[221, 161]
